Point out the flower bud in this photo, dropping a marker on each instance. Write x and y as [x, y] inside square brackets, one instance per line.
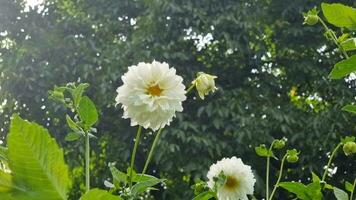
[292, 158]
[204, 84]
[279, 144]
[311, 17]
[349, 148]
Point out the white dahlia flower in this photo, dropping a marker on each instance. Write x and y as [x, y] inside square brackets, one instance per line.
[240, 180]
[151, 94]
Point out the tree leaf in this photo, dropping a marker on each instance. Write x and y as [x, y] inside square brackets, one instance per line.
[350, 108]
[204, 196]
[339, 15]
[344, 68]
[36, 161]
[340, 194]
[97, 194]
[87, 111]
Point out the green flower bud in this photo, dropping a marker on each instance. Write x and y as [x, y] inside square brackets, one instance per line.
[311, 17]
[292, 158]
[204, 84]
[349, 148]
[279, 144]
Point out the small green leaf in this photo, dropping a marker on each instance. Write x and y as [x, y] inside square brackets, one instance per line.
[5, 182]
[72, 125]
[349, 187]
[314, 191]
[349, 44]
[344, 68]
[340, 194]
[77, 92]
[96, 194]
[296, 188]
[141, 187]
[339, 15]
[72, 136]
[316, 178]
[3, 153]
[87, 111]
[350, 108]
[119, 177]
[204, 196]
[263, 151]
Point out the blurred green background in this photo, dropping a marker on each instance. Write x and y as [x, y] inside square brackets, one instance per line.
[272, 78]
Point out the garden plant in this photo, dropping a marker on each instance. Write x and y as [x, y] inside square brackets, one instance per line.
[152, 96]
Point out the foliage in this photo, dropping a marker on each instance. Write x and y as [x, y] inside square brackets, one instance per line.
[259, 50]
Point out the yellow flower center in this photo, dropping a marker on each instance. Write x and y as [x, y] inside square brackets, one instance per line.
[231, 183]
[154, 90]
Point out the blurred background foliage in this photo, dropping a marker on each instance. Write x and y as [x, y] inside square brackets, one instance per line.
[272, 79]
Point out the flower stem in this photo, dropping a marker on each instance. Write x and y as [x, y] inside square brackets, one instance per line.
[150, 154]
[267, 171]
[334, 38]
[353, 188]
[329, 162]
[279, 177]
[87, 162]
[133, 155]
[190, 88]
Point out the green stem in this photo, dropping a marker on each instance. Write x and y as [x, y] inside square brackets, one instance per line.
[329, 162]
[334, 38]
[133, 155]
[190, 88]
[87, 162]
[353, 188]
[279, 177]
[150, 154]
[267, 170]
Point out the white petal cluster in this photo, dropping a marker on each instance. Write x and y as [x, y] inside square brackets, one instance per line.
[151, 94]
[240, 180]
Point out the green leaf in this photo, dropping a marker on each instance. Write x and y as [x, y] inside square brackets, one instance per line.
[204, 196]
[141, 187]
[96, 194]
[339, 15]
[36, 161]
[349, 187]
[296, 188]
[5, 182]
[344, 68]
[349, 45]
[316, 178]
[72, 125]
[118, 176]
[350, 108]
[72, 136]
[87, 111]
[3, 153]
[264, 152]
[340, 194]
[314, 191]
[77, 92]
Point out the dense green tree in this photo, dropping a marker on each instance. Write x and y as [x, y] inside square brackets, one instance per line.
[272, 78]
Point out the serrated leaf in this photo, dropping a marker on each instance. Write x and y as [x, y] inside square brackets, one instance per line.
[97, 194]
[340, 194]
[87, 111]
[343, 68]
[339, 15]
[72, 136]
[350, 108]
[349, 187]
[204, 196]
[141, 187]
[36, 161]
[349, 44]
